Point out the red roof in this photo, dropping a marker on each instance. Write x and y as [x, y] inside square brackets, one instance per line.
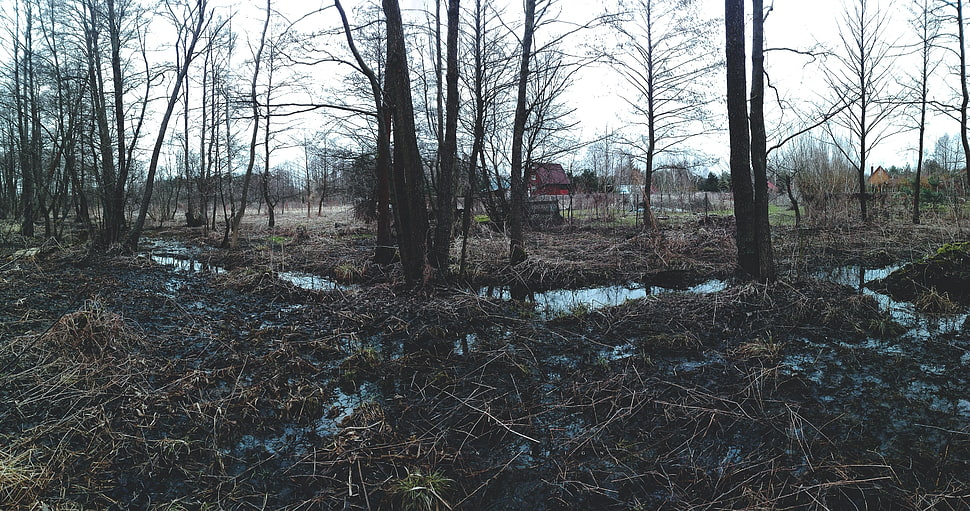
[549, 179]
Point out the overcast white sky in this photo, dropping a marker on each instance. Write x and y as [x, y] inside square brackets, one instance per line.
[796, 24]
[793, 23]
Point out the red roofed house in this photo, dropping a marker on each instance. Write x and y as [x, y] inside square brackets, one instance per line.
[548, 179]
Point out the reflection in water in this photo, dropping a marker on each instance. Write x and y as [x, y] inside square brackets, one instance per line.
[186, 265]
[311, 281]
[562, 301]
[182, 258]
[919, 325]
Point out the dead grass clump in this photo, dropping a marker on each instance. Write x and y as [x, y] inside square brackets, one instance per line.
[932, 301]
[758, 348]
[248, 279]
[349, 273]
[260, 280]
[92, 331]
[671, 343]
[21, 480]
[364, 364]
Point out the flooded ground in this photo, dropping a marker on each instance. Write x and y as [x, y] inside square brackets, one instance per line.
[185, 377]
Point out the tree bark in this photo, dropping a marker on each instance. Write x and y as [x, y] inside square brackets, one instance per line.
[740, 151]
[408, 170]
[759, 148]
[449, 149]
[517, 253]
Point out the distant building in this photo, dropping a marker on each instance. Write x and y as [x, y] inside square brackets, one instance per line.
[548, 179]
[878, 177]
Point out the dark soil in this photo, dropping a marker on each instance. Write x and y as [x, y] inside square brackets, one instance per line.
[129, 384]
[945, 272]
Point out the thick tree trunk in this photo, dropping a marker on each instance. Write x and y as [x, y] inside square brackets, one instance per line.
[449, 149]
[116, 195]
[408, 170]
[384, 252]
[738, 132]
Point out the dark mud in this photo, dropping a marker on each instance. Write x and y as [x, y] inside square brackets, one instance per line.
[225, 383]
[943, 275]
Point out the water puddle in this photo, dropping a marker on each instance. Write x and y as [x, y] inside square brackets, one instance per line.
[186, 265]
[919, 325]
[618, 352]
[297, 440]
[312, 282]
[914, 370]
[182, 258]
[343, 406]
[570, 301]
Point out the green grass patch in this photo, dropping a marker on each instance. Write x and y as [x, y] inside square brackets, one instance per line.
[781, 215]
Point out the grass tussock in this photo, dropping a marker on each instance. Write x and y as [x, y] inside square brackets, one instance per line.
[91, 331]
[932, 301]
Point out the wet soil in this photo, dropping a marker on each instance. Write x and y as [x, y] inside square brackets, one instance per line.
[190, 377]
[939, 277]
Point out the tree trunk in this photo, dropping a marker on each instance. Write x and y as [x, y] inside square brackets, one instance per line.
[738, 132]
[449, 149]
[793, 199]
[517, 252]
[408, 170]
[759, 148]
[478, 138]
[964, 89]
[115, 207]
[247, 179]
[927, 45]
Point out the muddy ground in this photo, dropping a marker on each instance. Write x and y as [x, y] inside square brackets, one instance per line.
[189, 377]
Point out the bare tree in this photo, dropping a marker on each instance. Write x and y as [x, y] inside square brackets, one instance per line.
[517, 252]
[190, 25]
[661, 56]
[950, 15]
[118, 124]
[926, 25]
[478, 90]
[384, 252]
[254, 99]
[863, 74]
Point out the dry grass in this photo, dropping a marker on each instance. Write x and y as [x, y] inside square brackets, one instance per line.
[700, 409]
[91, 332]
